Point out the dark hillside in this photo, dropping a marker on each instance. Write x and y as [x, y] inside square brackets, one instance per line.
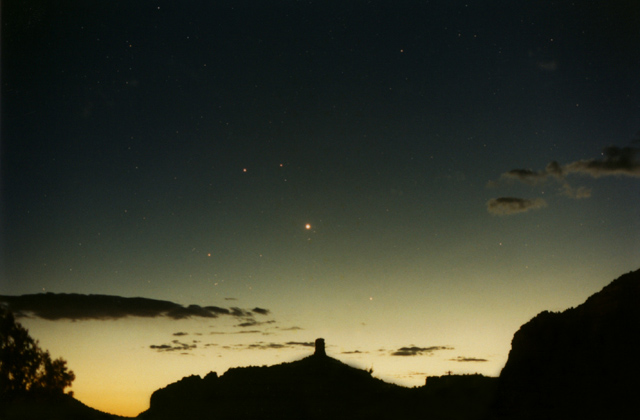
[50, 407]
[317, 387]
[581, 363]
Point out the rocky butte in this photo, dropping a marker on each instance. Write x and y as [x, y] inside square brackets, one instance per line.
[316, 387]
[583, 363]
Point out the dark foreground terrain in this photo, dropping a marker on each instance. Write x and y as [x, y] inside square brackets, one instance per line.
[582, 363]
[578, 364]
[317, 387]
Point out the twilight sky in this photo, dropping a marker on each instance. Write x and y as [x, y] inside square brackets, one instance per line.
[411, 180]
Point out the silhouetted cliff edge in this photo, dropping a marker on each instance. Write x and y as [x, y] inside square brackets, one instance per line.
[583, 363]
[316, 387]
[313, 387]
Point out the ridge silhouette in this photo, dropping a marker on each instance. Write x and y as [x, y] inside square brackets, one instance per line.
[581, 363]
[315, 387]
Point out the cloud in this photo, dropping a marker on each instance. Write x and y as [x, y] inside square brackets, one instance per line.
[265, 346]
[504, 206]
[56, 306]
[240, 313]
[525, 175]
[618, 161]
[253, 323]
[174, 346]
[261, 345]
[468, 359]
[260, 311]
[615, 161]
[301, 343]
[238, 332]
[418, 351]
[179, 334]
[217, 310]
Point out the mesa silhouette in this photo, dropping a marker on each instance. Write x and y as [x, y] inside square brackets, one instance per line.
[316, 387]
[581, 363]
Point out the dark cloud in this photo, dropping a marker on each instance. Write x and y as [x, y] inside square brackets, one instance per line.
[237, 332]
[468, 359]
[616, 161]
[353, 352]
[265, 346]
[294, 328]
[217, 310]
[253, 323]
[504, 206]
[261, 345]
[174, 346]
[260, 311]
[620, 161]
[240, 313]
[301, 343]
[55, 306]
[179, 334]
[418, 351]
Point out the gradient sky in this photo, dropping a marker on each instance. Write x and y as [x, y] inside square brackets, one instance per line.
[410, 180]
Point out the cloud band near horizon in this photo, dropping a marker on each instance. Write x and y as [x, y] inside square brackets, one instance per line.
[58, 306]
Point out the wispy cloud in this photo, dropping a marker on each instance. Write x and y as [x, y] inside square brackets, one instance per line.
[253, 323]
[301, 343]
[265, 346]
[261, 345]
[174, 346]
[618, 161]
[57, 306]
[418, 351]
[294, 328]
[503, 206]
[468, 359]
[614, 161]
[260, 311]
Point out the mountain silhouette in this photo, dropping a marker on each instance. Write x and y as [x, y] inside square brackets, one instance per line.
[316, 387]
[35, 406]
[583, 363]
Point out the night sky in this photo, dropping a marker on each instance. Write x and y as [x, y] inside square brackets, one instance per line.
[411, 180]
